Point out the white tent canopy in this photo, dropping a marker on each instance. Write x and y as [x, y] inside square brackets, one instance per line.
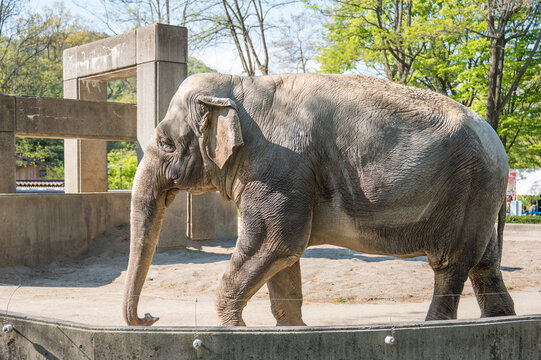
[528, 181]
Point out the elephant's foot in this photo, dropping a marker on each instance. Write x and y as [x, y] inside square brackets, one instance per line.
[287, 313]
[231, 319]
[291, 323]
[229, 312]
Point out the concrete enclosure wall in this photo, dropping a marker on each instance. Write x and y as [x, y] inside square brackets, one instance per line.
[40, 228]
[517, 338]
[37, 229]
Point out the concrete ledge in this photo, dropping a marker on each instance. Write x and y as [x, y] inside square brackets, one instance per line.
[522, 232]
[517, 338]
[39, 228]
[73, 119]
[523, 227]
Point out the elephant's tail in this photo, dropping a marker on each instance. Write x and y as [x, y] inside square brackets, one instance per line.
[501, 225]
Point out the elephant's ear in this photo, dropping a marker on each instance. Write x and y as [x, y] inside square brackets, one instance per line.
[220, 128]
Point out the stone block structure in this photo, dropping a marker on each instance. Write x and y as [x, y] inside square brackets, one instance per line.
[157, 56]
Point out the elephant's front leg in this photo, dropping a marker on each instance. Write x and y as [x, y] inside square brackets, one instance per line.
[240, 284]
[275, 231]
[285, 292]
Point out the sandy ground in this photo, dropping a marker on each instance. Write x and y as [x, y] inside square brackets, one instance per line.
[341, 287]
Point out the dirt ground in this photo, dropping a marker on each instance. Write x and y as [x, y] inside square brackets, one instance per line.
[341, 287]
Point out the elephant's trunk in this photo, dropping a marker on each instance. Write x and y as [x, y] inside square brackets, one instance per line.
[147, 209]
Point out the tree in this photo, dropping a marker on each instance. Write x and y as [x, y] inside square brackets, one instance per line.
[469, 42]
[31, 64]
[509, 21]
[504, 83]
[195, 66]
[31, 54]
[241, 22]
[121, 176]
[50, 151]
[120, 15]
[296, 48]
[384, 34]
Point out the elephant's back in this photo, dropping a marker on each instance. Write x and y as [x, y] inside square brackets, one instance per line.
[390, 153]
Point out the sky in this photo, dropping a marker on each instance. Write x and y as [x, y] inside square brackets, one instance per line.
[222, 58]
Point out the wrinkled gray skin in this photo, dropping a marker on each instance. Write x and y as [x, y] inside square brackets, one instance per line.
[351, 161]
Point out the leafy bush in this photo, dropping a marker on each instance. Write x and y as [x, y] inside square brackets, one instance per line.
[128, 158]
[527, 199]
[523, 219]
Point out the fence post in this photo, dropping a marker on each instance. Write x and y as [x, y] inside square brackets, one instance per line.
[7, 144]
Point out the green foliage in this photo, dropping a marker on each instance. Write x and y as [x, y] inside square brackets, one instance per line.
[123, 90]
[31, 55]
[527, 199]
[55, 173]
[196, 66]
[523, 219]
[50, 151]
[126, 156]
[385, 35]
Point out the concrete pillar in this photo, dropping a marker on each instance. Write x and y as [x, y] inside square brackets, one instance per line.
[85, 161]
[7, 144]
[161, 67]
[202, 217]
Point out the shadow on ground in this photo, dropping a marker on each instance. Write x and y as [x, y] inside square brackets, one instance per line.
[108, 258]
[341, 253]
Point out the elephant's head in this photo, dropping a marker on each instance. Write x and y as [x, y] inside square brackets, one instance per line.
[190, 147]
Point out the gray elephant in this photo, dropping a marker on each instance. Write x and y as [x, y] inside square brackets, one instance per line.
[352, 161]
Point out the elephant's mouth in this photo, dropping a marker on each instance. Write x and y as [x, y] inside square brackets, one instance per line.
[170, 196]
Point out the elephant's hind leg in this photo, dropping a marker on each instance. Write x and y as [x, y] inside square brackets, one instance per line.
[490, 290]
[448, 285]
[285, 292]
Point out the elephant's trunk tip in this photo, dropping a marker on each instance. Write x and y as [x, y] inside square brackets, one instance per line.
[148, 320]
[131, 318]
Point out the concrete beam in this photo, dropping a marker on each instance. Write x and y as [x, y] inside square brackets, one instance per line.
[71, 119]
[157, 42]
[112, 53]
[114, 75]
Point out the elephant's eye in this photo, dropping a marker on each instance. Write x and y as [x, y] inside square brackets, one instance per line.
[167, 145]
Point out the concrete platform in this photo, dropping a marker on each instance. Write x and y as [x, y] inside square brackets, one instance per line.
[516, 338]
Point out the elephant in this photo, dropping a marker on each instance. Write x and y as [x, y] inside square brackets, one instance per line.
[310, 159]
